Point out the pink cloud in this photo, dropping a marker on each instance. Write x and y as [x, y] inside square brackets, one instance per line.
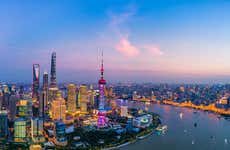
[126, 48]
[154, 50]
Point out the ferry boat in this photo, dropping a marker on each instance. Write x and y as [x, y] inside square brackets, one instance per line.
[161, 129]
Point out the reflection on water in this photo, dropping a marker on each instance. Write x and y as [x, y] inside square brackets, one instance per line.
[195, 130]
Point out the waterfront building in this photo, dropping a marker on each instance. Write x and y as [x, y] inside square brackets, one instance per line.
[71, 102]
[58, 108]
[101, 122]
[37, 130]
[222, 103]
[124, 111]
[83, 98]
[20, 130]
[3, 124]
[53, 80]
[35, 88]
[142, 121]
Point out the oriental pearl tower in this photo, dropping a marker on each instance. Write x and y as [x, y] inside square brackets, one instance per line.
[101, 83]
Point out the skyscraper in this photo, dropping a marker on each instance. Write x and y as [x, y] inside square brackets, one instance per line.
[91, 94]
[20, 130]
[53, 80]
[37, 129]
[22, 108]
[36, 76]
[83, 98]
[101, 83]
[71, 103]
[12, 106]
[58, 108]
[3, 124]
[43, 104]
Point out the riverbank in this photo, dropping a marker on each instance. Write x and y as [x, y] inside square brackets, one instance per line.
[210, 107]
[138, 138]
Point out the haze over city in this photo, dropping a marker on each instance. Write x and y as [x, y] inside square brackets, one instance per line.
[155, 41]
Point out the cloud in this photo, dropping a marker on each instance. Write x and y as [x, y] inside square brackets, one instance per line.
[153, 50]
[126, 48]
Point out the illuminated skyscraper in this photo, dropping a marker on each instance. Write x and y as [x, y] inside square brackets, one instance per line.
[53, 80]
[71, 103]
[22, 108]
[43, 104]
[36, 76]
[101, 113]
[83, 98]
[37, 129]
[91, 97]
[20, 130]
[58, 108]
[3, 124]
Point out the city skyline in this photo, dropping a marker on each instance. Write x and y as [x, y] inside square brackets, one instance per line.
[169, 41]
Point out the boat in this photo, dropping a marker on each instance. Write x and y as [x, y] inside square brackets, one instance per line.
[181, 115]
[161, 129]
[195, 124]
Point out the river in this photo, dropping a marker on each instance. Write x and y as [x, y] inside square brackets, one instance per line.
[211, 133]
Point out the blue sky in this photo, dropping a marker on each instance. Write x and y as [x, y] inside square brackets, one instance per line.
[156, 41]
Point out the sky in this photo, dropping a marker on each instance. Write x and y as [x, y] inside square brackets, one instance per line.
[178, 41]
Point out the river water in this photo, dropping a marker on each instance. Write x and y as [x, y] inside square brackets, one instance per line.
[211, 133]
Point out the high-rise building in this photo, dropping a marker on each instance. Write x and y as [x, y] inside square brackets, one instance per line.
[71, 102]
[1, 99]
[53, 80]
[37, 129]
[83, 98]
[6, 99]
[20, 130]
[91, 95]
[36, 76]
[22, 108]
[43, 104]
[3, 124]
[45, 88]
[12, 106]
[21, 92]
[101, 114]
[58, 108]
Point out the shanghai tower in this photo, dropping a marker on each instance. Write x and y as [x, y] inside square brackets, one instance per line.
[53, 81]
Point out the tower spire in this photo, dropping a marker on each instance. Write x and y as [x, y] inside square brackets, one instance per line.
[102, 65]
